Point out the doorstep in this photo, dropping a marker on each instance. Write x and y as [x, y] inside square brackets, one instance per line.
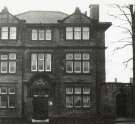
[40, 121]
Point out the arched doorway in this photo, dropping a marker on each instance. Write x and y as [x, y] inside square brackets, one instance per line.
[121, 105]
[40, 90]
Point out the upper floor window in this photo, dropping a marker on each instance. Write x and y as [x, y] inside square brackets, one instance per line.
[8, 63]
[41, 34]
[77, 63]
[77, 33]
[41, 62]
[8, 33]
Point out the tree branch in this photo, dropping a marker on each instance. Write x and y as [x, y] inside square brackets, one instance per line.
[125, 28]
[127, 61]
[124, 14]
[118, 48]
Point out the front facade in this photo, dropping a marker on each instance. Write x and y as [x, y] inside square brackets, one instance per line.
[51, 64]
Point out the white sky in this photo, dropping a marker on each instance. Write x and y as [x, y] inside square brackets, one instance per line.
[114, 66]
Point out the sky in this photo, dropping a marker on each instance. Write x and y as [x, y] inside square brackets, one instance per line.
[114, 59]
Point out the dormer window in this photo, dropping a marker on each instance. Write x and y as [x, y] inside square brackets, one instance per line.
[77, 33]
[8, 33]
[41, 34]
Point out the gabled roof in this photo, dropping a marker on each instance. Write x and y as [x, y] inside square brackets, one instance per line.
[6, 17]
[45, 17]
[76, 17]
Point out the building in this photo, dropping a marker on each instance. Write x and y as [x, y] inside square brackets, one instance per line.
[51, 64]
[116, 98]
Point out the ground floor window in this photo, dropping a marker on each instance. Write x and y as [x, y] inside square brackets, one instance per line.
[78, 97]
[7, 97]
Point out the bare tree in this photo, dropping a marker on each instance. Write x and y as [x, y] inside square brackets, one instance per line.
[127, 15]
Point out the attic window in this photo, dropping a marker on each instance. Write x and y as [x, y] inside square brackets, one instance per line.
[77, 33]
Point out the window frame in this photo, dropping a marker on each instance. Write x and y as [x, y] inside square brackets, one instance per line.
[9, 33]
[75, 95]
[82, 33]
[7, 95]
[38, 34]
[44, 63]
[80, 60]
[8, 62]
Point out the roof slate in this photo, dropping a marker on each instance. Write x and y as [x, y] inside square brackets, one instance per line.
[44, 17]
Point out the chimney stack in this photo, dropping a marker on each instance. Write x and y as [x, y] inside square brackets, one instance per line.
[94, 11]
[131, 80]
[115, 80]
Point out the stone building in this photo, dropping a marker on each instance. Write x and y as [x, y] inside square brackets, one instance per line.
[51, 64]
[116, 98]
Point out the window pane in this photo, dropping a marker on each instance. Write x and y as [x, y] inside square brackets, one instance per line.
[69, 101]
[34, 62]
[4, 67]
[11, 90]
[3, 101]
[11, 101]
[3, 90]
[12, 67]
[34, 34]
[41, 34]
[86, 90]
[77, 33]
[69, 33]
[85, 33]
[77, 56]
[77, 90]
[69, 56]
[77, 67]
[86, 101]
[12, 56]
[86, 68]
[4, 57]
[69, 66]
[12, 32]
[77, 101]
[48, 62]
[86, 56]
[41, 62]
[4, 33]
[69, 90]
[48, 34]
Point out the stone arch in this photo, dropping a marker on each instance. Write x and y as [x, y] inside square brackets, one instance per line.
[40, 82]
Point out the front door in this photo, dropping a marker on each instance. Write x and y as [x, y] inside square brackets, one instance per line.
[121, 105]
[40, 107]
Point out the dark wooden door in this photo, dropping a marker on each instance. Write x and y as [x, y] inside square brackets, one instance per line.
[40, 108]
[121, 105]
